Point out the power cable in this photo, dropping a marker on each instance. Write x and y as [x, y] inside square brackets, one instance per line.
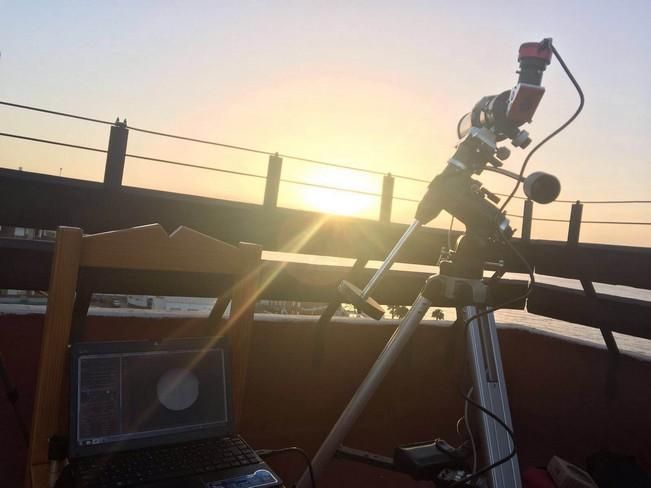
[541, 143]
[264, 453]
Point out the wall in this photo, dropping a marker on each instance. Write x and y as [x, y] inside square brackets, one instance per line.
[556, 388]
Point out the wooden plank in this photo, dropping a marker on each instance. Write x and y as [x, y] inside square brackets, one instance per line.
[617, 314]
[314, 283]
[28, 202]
[599, 263]
[136, 282]
[56, 332]
[40, 476]
[28, 197]
[149, 247]
[25, 264]
[240, 324]
[281, 281]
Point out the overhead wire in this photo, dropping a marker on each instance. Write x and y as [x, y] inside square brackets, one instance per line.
[56, 143]
[310, 160]
[205, 141]
[192, 165]
[326, 187]
[54, 112]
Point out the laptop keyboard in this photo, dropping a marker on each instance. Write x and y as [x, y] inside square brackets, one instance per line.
[152, 464]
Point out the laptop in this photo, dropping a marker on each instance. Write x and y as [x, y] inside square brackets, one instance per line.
[158, 414]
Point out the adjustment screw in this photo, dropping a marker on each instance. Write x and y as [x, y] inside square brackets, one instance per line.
[503, 153]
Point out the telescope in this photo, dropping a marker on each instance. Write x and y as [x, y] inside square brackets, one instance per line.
[461, 282]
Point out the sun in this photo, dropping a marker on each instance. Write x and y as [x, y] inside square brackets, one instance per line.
[340, 202]
[337, 202]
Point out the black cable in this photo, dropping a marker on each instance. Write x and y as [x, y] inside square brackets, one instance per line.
[568, 122]
[505, 459]
[11, 393]
[450, 234]
[264, 453]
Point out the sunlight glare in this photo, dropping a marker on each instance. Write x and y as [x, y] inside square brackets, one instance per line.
[337, 202]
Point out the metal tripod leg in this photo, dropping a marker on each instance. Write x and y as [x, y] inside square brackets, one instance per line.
[489, 390]
[363, 394]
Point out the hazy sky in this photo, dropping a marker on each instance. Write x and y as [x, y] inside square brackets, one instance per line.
[377, 85]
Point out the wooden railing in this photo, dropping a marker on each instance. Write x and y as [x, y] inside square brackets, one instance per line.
[40, 201]
[46, 202]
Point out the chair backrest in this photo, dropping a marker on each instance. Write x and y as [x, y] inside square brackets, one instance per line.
[139, 260]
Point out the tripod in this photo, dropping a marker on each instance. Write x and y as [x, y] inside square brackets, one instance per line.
[461, 282]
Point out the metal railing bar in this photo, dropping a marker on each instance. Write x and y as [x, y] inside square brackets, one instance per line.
[259, 151]
[200, 141]
[326, 187]
[191, 165]
[608, 222]
[56, 143]
[54, 112]
[405, 199]
[611, 201]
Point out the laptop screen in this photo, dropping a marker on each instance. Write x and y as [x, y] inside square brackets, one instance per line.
[128, 395]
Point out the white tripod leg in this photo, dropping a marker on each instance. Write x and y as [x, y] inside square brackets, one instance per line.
[489, 390]
[364, 392]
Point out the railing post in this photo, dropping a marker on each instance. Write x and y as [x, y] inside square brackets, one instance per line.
[575, 223]
[387, 198]
[274, 169]
[115, 156]
[526, 220]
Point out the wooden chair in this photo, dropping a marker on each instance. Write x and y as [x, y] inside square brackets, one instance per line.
[139, 260]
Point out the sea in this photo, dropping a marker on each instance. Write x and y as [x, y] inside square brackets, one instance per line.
[591, 335]
[629, 344]
[512, 318]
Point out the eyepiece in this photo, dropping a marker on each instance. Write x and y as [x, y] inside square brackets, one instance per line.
[534, 58]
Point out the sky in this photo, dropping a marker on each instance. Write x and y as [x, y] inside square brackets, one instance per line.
[376, 85]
